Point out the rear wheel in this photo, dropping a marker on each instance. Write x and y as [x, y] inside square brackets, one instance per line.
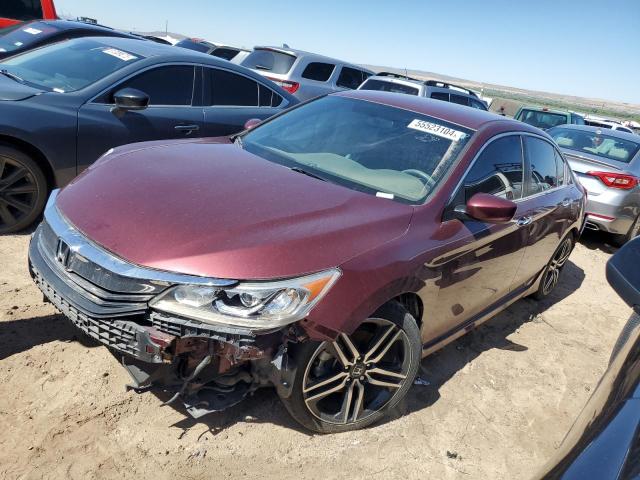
[355, 380]
[551, 274]
[23, 190]
[633, 232]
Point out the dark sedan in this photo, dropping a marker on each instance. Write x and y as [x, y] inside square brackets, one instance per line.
[30, 35]
[66, 104]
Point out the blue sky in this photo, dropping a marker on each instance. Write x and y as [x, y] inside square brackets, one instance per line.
[580, 47]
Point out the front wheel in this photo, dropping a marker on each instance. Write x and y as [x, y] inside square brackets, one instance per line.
[353, 381]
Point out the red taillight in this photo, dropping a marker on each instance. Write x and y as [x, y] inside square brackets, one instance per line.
[291, 87]
[616, 180]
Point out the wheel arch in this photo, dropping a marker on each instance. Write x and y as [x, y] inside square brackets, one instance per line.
[35, 153]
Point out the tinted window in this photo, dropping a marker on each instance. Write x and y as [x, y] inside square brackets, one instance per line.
[602, 145]
[577, 119]
[318, 71]
[459, 99]
[69, 66]
[560, 167]
[171, 85]
[440, 96]
[192, 45]
[231, 89]
[226, 53]
[21, 9]
[22, 36]
[476, 104]
[542, 165]
[268, 98]
[350, 78]
[497, 171]
[269, 61]
[542, 119]
[383, 86]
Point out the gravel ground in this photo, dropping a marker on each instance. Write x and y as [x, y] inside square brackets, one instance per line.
[499, 402]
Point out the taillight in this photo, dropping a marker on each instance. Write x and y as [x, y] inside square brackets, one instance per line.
[291, 87]
[616, 180]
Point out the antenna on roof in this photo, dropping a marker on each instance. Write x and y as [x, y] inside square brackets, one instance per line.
[406, 74]
[284, 45]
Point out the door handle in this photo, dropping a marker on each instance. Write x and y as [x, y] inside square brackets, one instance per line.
[187, 128]
[522, 221]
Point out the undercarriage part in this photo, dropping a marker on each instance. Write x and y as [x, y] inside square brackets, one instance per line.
[211, 399]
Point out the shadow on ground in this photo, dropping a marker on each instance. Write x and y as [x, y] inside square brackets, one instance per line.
[596, 240]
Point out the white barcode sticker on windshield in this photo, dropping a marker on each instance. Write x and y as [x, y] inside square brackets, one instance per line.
[32, 31]
[124, 56]
[435, 129]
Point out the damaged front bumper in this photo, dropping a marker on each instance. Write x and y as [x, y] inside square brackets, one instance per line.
[209, 367]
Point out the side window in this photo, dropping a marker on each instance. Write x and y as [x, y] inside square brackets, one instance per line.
[440, 96]
[320, 72]
[543, 171]
[459, 99]
[268, 98]
[498, 171]
[476, 104]
[170, 85]
[230, 89]
[350, 78]
[226, 53]
[560, 166]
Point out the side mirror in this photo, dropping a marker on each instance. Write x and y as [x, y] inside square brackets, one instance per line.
[252, 123]
[131, 99]
[489, 208]
[623, 274]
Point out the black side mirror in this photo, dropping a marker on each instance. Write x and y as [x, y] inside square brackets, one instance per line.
[623, 274]
[130, 99]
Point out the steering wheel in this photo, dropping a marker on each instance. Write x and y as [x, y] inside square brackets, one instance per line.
[429, 181]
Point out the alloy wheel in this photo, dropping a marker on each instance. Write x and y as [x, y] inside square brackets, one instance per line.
[357, 375]
[552, 275]
[18, 192]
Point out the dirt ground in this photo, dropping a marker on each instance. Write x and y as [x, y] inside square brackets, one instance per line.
[499, 402]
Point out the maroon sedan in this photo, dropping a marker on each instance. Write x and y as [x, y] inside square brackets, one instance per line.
[323, 252]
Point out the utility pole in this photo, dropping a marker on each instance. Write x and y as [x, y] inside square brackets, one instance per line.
[166, 26]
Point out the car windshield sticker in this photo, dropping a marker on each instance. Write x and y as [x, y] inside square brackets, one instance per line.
[59, 90]
[438, 130]
[2, 50]
[385, 195]
[32, 31]
[124, 56]
[18, 44]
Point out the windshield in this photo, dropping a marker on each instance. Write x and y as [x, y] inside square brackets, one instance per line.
[269, 61]
[381, 85]
[21, 9]
[377, 149]
[542, 119]
[68, 66]
[595, 143]
[21, 36]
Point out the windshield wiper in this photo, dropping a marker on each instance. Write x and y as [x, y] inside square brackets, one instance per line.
[305, 172]
[12, 76]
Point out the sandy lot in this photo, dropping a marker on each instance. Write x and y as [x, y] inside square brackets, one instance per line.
[499, 403]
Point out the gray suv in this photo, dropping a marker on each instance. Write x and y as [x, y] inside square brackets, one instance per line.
[392, 82]
[303, 74]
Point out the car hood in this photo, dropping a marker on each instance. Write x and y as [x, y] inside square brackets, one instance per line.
[208, 209]
[10, 90]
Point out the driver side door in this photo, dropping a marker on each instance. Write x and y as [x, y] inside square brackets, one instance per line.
[171, 113]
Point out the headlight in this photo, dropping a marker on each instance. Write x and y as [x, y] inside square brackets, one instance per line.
[255, 305]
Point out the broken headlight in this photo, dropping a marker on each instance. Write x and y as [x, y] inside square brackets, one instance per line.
[254, 305]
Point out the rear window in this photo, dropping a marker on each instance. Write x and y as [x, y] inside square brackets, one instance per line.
[225, 52]
[69, 66]
[320, 72]
[269, 61]
[542, 119]
[459, 99]
[21, 9]
[383, 86]
[351, 78]
[22, 36]
[594, 143]
[191, 45]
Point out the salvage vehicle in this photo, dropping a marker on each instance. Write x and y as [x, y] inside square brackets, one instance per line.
[447, 92]
[607, 164]
[604, 441]
[545, 118]
[220, 50]
[16, 11]
[30, 35]
[324, 252]
[303, 74]
[65, 104]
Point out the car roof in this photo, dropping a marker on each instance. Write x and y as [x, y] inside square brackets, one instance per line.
[76, 25]
[464, 116]
[315, 56]
[404, 81]
[607, 131]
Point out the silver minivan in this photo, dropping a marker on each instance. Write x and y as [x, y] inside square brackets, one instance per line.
[303, 74]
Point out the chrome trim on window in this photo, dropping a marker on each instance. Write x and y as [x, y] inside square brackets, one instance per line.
[85, 248]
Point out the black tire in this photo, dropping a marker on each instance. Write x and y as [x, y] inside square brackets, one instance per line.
[23, 190]
[553, 270]
[634, 231]
[390, 339]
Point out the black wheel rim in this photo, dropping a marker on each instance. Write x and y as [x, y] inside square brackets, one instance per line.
[552, 275]
[357, 375]
[18, 192]
[635, 230]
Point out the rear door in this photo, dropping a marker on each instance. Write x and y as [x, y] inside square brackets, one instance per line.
[170, 113]
[230, 99]
[548, 208]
